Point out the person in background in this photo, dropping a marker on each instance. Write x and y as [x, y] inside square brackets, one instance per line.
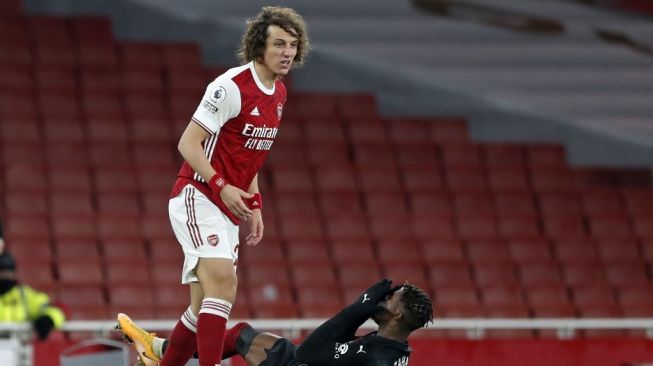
[21, 303]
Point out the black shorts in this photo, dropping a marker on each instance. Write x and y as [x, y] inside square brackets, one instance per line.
[282, 353]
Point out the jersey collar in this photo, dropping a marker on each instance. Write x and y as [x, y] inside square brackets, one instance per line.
[258, 81]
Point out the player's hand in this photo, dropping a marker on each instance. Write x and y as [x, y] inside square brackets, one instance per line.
[232, 197]
[369, 300]
[255, 228]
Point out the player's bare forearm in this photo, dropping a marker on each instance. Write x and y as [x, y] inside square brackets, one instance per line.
[190, 147]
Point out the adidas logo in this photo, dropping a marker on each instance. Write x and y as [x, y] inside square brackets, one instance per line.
[254, 112]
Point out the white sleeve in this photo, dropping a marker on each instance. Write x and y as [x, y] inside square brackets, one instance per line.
[220, 103]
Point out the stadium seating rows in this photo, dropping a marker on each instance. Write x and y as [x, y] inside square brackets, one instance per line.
[88, 134]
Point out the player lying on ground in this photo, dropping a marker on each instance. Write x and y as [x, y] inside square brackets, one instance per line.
[397, 310]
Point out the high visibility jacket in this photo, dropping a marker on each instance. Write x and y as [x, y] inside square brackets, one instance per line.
[24, 304]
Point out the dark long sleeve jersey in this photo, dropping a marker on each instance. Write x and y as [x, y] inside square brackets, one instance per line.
[334, 344]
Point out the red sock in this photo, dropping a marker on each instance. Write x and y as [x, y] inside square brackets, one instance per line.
[182, 342]
[211, 324]
[230, 344]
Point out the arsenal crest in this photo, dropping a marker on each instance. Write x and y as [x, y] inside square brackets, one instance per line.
[212, 239]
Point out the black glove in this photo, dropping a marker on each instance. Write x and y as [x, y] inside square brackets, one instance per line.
[43, 325]
[369, 300]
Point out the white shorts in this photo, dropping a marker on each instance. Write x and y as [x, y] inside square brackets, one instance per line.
[202, 230]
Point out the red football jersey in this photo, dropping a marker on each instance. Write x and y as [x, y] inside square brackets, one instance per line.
[243, 117]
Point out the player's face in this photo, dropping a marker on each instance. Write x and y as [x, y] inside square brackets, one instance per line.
[280, 50]
[391, 306]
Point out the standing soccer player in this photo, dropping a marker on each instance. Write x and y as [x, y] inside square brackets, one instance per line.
[224, 146]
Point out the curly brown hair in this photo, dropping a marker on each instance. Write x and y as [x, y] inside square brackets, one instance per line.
[253, 43]
[418, 306]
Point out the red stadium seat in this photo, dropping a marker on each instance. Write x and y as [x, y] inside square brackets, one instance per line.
[403, 131]
[503, 155]
[181, 55]
[73, 226]
[310, 274]
[450, 296]
[357, 106]
[552, 179]
[123, 226]
[468, 154]
[115, 180]
[172, 300]
[369, 132]
[636, 295]
[121, 250]
[638, 201]
[508, 179]
[29, 204]
[294, 203]
[502, 295]
[450, 273]
[335, 178]
[50, 78]
[118, 204]
[473, 203]
[476, 226]
[317, 295]
[141, 54]
[340, 204]
[421, 178]
[417, 156]
[323, 153]
[601, 202]
[352, 251]
[127, 273]
[268, 252]
[559, 204]
[548, 295]
[540, 274]
[267, 294]
[626, 273]
[276, 311]
[304, 251]
[583, 273]
[292, 179]
[19, 130]
[80, 272]
[82, 295]
[612, 226]
[411, 273]
[324, 131]
[546, 155]
[387, 228]
[268, 273]
[435, 251]
[465, 178]
[618, 250]
[390, 205]
[107, 129]
[495, 274]
[100, 79]
[431, 204]
[26, 227]
[77, 249]
[355, 275]
[487, 251]
[587, 296]
[124, 295]
[449, 130]
[571, 226]
[346, 227]
[30, 250]
[514, 204]
[530, 250]
[37, 275]
[518, 226]
[575, 250]
[141, 79]
[302, 227]
[108, 156]
[21, 177]
[379, 179]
